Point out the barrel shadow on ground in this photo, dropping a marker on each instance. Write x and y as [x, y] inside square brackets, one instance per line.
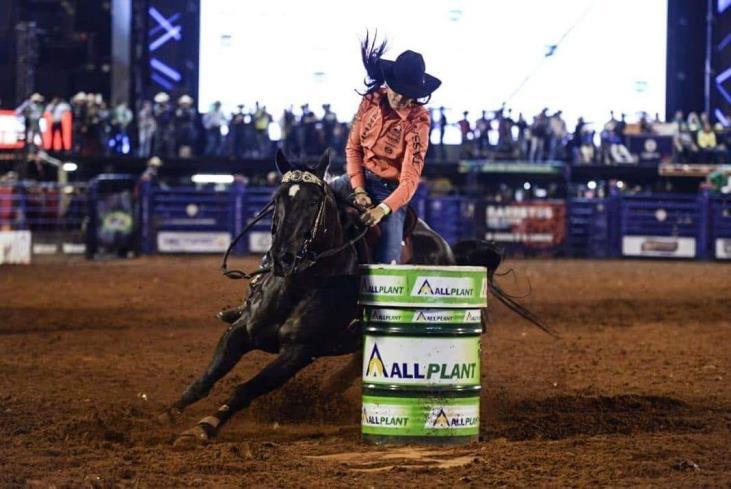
[560, 417]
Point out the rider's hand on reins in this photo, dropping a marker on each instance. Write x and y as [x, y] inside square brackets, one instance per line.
[361, 199]
[373, 216]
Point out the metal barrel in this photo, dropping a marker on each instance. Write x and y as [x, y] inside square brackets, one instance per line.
[421, 353]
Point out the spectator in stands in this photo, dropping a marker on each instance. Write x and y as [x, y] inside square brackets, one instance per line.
[309, 129]
[165, 128]
[89, 131]
[185, 122]
[58, 108]
[213, 121]
[120, 120]
[442, 129]
[150, 173]
[465, 131]
[238, 132]
[645, 124]
[262, 119]
[621, 126]
[557, 132]
[482, 128]
[707, 144]
[504, 131]
[329, 121]
[538, 133]
[694, 123]
[103, 127]
[684, 144]
[146, 126]
[521, 126]
[78, 112]
[32, 112]
[582, 143]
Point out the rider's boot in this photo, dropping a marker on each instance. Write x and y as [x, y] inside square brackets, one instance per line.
[232, 314]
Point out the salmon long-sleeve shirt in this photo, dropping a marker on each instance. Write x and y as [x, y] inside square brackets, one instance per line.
[391, 144]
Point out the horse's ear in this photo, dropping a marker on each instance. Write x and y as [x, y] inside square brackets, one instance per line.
[281, 161]
[322, 165]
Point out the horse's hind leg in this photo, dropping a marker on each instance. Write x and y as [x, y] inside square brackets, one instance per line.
[290, 361]
[231, 347]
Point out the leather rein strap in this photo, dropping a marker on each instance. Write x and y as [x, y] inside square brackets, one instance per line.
[294, 176]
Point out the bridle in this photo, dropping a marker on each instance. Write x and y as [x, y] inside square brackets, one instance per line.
[304, 259]
[300, 176]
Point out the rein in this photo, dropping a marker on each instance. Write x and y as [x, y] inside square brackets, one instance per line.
[240, 274]
[297, 176]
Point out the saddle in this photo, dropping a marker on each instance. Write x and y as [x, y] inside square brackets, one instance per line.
[366, 247]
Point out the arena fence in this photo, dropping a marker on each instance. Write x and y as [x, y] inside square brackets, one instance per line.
[55, 215]
[665, 225]
[117, 214]
[720, 227]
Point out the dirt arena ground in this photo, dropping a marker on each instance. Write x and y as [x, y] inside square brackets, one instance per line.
[636, 393]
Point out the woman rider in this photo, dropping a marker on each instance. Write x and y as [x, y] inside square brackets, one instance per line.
[387, 143]
[386, 148]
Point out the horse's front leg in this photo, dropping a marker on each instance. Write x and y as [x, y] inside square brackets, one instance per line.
[231, 347]
[291, 359]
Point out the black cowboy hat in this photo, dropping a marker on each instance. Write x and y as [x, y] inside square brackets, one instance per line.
[407, 75]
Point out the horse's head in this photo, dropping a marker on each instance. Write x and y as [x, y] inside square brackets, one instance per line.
[305, 220]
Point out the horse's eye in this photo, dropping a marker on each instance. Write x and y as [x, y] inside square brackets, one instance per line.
[314, 203]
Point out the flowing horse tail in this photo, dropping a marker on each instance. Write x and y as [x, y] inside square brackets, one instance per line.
[476, 252]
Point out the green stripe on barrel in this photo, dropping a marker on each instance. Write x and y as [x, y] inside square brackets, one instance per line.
[421, 357]
[423, 286]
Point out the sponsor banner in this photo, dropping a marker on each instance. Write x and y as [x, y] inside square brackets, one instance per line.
[415, 286]
[12, 130]
[427, 416]
[73, 248]
[15, 247]
[526, 225]
[115, 213]
[260, 241]
[399, 360]
[651, 148]
[192, 242]
[45, 248]
[660, 246]
[723, 248]
[432, 316]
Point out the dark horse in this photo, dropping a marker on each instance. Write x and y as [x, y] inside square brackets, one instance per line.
[306, 306]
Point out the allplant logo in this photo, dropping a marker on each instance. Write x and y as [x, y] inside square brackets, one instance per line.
[443, 287]
[380, 367]
[452, 417]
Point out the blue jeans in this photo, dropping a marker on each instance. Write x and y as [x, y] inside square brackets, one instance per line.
[388, 249]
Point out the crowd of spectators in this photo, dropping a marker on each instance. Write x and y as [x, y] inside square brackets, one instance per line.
[500, 136]
[175, 129]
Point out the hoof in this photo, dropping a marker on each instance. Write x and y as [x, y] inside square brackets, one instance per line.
[170, 416]
[195, 436]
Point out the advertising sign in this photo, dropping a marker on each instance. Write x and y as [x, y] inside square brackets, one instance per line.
[409, 416]
[398, 360]
[12, 130]
[192, 241]
[15, 247]
[538, 225]
[659, 246]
